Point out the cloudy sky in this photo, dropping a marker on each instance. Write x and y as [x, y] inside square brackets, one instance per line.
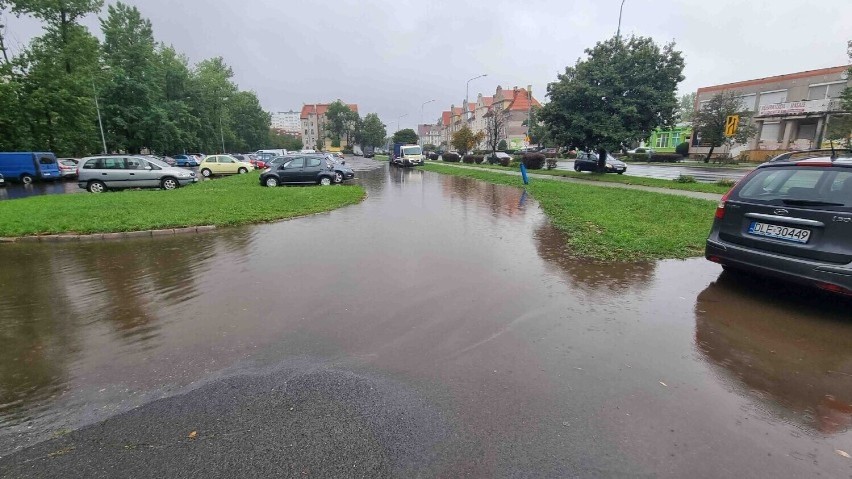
[390, 56]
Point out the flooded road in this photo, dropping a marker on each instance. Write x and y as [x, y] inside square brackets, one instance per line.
[440, 328]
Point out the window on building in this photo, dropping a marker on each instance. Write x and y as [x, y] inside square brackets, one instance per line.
[675, 138]
[770, 131]
[822, 91]
[747, 102]
[772, 97]
[663, 140]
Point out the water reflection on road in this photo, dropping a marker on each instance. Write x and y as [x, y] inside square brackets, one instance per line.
[464, 292]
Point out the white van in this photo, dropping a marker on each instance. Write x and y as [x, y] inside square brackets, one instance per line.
[274, 152]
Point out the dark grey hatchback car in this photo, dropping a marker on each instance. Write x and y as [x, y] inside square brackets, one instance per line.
[791, 220]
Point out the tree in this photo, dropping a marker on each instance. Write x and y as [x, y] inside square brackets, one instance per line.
[686, 108]
[373, 131]
[279, 139]
[840, 126]
[340, 121]
[619, 94]
[537, 130]
[709, 122]
[502, 145]
[495, 129]
[430, 147]
[406, 135]
[465, 140]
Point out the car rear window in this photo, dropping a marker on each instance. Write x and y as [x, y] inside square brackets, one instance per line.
[790, 185]
[46, 160]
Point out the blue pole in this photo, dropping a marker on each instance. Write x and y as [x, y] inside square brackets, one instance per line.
[524, 174]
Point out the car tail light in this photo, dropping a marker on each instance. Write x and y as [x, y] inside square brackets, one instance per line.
[720, 208]
[715, 259]
[833, 288]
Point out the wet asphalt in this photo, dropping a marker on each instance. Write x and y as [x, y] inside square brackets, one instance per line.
[439, 329]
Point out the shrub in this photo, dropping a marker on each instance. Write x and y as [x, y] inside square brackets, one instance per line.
[572, 154]
[468, 159]
[533, 161]
[514, 164]
[726, 182]
[682, 149]
[347, 150]
[479, 159]
[433, 156]
[502, 145]
[451, 157]
[505, 161]
[511, 152]
[684, 179]
[665, 158]
[550, 154]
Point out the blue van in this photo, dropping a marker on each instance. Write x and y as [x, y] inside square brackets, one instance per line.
[27, 166]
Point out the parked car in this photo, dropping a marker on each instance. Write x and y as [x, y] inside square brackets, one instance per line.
[28, 166]
[342, 171]
[100, 173]
[640, 151]
[498, 156]
[791, 220]
[588, 161]
[805, 154]
[169, 161]
[186, 160]
[223, 165]
[67, 167]
[298, 170]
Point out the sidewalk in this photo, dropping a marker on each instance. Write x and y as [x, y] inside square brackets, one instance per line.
[665, 191]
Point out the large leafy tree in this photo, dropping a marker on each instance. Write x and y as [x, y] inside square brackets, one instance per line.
[709, 122]
[840, 126]
[495, 129]
[406, 135]
[341, 121]
[465, 139]
[248, 123]
[618, 95]
[372, 131]
[686, 107]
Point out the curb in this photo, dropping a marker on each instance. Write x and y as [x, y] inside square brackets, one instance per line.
[64, 238]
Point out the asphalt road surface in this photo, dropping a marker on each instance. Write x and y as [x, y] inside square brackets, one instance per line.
[439, 329]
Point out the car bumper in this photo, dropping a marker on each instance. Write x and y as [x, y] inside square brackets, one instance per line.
[68, 174]
[796, 270]
[187, 181]
[408, 162]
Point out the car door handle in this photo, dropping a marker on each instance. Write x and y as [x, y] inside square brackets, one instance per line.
[104, 174]
[132, 174]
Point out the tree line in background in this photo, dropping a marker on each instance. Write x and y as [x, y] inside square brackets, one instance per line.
[149, 95]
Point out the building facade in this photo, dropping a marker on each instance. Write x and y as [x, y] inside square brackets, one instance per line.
[789, 111]
[429, 134]
[666, 140]
[286, 121]
[313, 126]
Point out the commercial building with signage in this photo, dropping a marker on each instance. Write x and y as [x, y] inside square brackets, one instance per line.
[788, 111]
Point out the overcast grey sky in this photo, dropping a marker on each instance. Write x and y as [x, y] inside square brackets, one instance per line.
[390, 56]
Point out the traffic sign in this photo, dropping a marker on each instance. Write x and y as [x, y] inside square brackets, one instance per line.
[731, 124]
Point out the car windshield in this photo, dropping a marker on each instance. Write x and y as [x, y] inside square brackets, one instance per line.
[799, 185]
[412, 150]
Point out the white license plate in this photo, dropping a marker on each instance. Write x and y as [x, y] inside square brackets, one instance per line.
[786, 233]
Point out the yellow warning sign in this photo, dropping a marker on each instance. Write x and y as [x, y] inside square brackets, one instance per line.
[731, 124]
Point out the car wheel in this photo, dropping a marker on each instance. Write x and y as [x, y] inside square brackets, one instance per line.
[206, 173]
[169, 184]
[242, 171]
[325, 181]
[96, 187]
[271, 182]
[577, 168]
[620, 172]
[338, 177]
[26, 179]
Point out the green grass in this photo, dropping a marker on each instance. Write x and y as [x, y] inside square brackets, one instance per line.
[614, 224]
[381, 158]
[613, 178]
[227, 201]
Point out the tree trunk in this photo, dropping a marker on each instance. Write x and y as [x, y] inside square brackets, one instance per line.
[601, 160]
[709, 153]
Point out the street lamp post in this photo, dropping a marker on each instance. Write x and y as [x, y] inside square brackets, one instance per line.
[221, 129]
[421, 116]
[467, 94]
[100, 122]
[618, 32]
[400, 118]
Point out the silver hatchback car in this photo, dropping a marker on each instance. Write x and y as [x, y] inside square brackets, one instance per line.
[791, 220]
[100, 173]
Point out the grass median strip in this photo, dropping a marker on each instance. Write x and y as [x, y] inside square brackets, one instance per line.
[613, 224]
[613, 178]
[227, 201]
